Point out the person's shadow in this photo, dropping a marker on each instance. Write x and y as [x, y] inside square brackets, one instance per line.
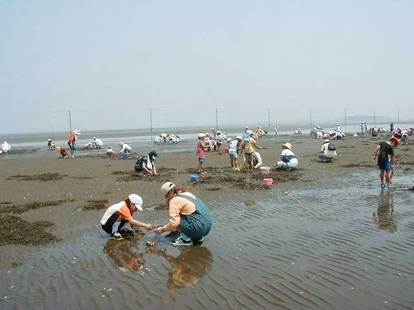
[384, 217]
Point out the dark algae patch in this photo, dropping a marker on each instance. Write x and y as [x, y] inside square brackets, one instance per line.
[95, 204]
[14, 230]
[10, 208]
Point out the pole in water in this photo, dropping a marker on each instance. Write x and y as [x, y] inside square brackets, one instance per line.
[70, 121]
[151, 123]
[268, 118]
[345, 119]
[310, 118]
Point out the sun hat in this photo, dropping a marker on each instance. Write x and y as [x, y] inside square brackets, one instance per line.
[77, 132]
[166, 187]
[287, 145]
[136, 200]
[201, 135]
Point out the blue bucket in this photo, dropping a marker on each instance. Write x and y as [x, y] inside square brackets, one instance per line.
[194, 178]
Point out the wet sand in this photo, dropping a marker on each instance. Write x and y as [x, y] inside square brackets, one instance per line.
[323, 237]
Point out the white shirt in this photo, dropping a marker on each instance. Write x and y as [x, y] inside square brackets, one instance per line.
[5, 147]
[258, 158]
[287, 152]
[326, 151]
[233, 145]
[125, 147]
[98, 142]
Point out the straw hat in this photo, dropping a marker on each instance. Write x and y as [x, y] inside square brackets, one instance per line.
[287, 146]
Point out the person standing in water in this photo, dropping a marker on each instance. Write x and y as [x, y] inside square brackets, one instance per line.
[384, 153]
[189, 216]
[201, 152]
[72, 139]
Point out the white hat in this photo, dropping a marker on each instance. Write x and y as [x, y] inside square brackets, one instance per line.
[249, 132]
[201, 135]
[94, 138]
[287, 145]
[326, 141]
[166, 187]
[239, 138]
[121, 143]
[49, 139]
[228, 139]
[246, 127]
[136, 200]
[77, 132]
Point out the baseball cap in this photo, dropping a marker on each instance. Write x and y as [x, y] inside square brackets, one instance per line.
[136, 200]
[166, 187]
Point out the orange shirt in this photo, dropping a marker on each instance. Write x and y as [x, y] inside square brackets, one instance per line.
[180, 206]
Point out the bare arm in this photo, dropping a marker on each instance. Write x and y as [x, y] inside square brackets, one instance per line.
[136, 223]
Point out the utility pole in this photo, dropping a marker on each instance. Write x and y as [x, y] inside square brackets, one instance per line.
[268, 118]
[216, 119]
[310, 118]
[151, 123]
[345, 119]
[70, 121]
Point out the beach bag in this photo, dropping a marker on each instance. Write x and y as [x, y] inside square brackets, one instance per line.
[331, 147]
[138, 164]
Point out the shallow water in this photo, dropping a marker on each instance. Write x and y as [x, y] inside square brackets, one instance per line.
[343, 245]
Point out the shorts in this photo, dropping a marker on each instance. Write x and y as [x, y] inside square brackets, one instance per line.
[387, 166]
[201, 160]
[233, 154]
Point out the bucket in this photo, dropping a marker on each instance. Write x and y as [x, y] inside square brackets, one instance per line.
[194, 178]
[267, 183]
[264, 170]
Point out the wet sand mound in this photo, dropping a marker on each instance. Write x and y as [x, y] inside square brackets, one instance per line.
[362, 165]
[14, 230]
[40, 177]
[244, 180]
[11, 208]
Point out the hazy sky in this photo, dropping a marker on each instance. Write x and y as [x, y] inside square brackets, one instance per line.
[109, 62]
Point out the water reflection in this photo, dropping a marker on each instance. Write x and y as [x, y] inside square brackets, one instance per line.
[384, 216]
[124, 254]
[188, 268]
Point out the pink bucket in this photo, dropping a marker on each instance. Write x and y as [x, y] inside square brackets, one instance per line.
[267, 183]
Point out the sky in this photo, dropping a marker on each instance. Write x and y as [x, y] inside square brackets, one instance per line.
[111, 62]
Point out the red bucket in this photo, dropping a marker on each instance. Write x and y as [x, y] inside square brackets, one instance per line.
[267, 183]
